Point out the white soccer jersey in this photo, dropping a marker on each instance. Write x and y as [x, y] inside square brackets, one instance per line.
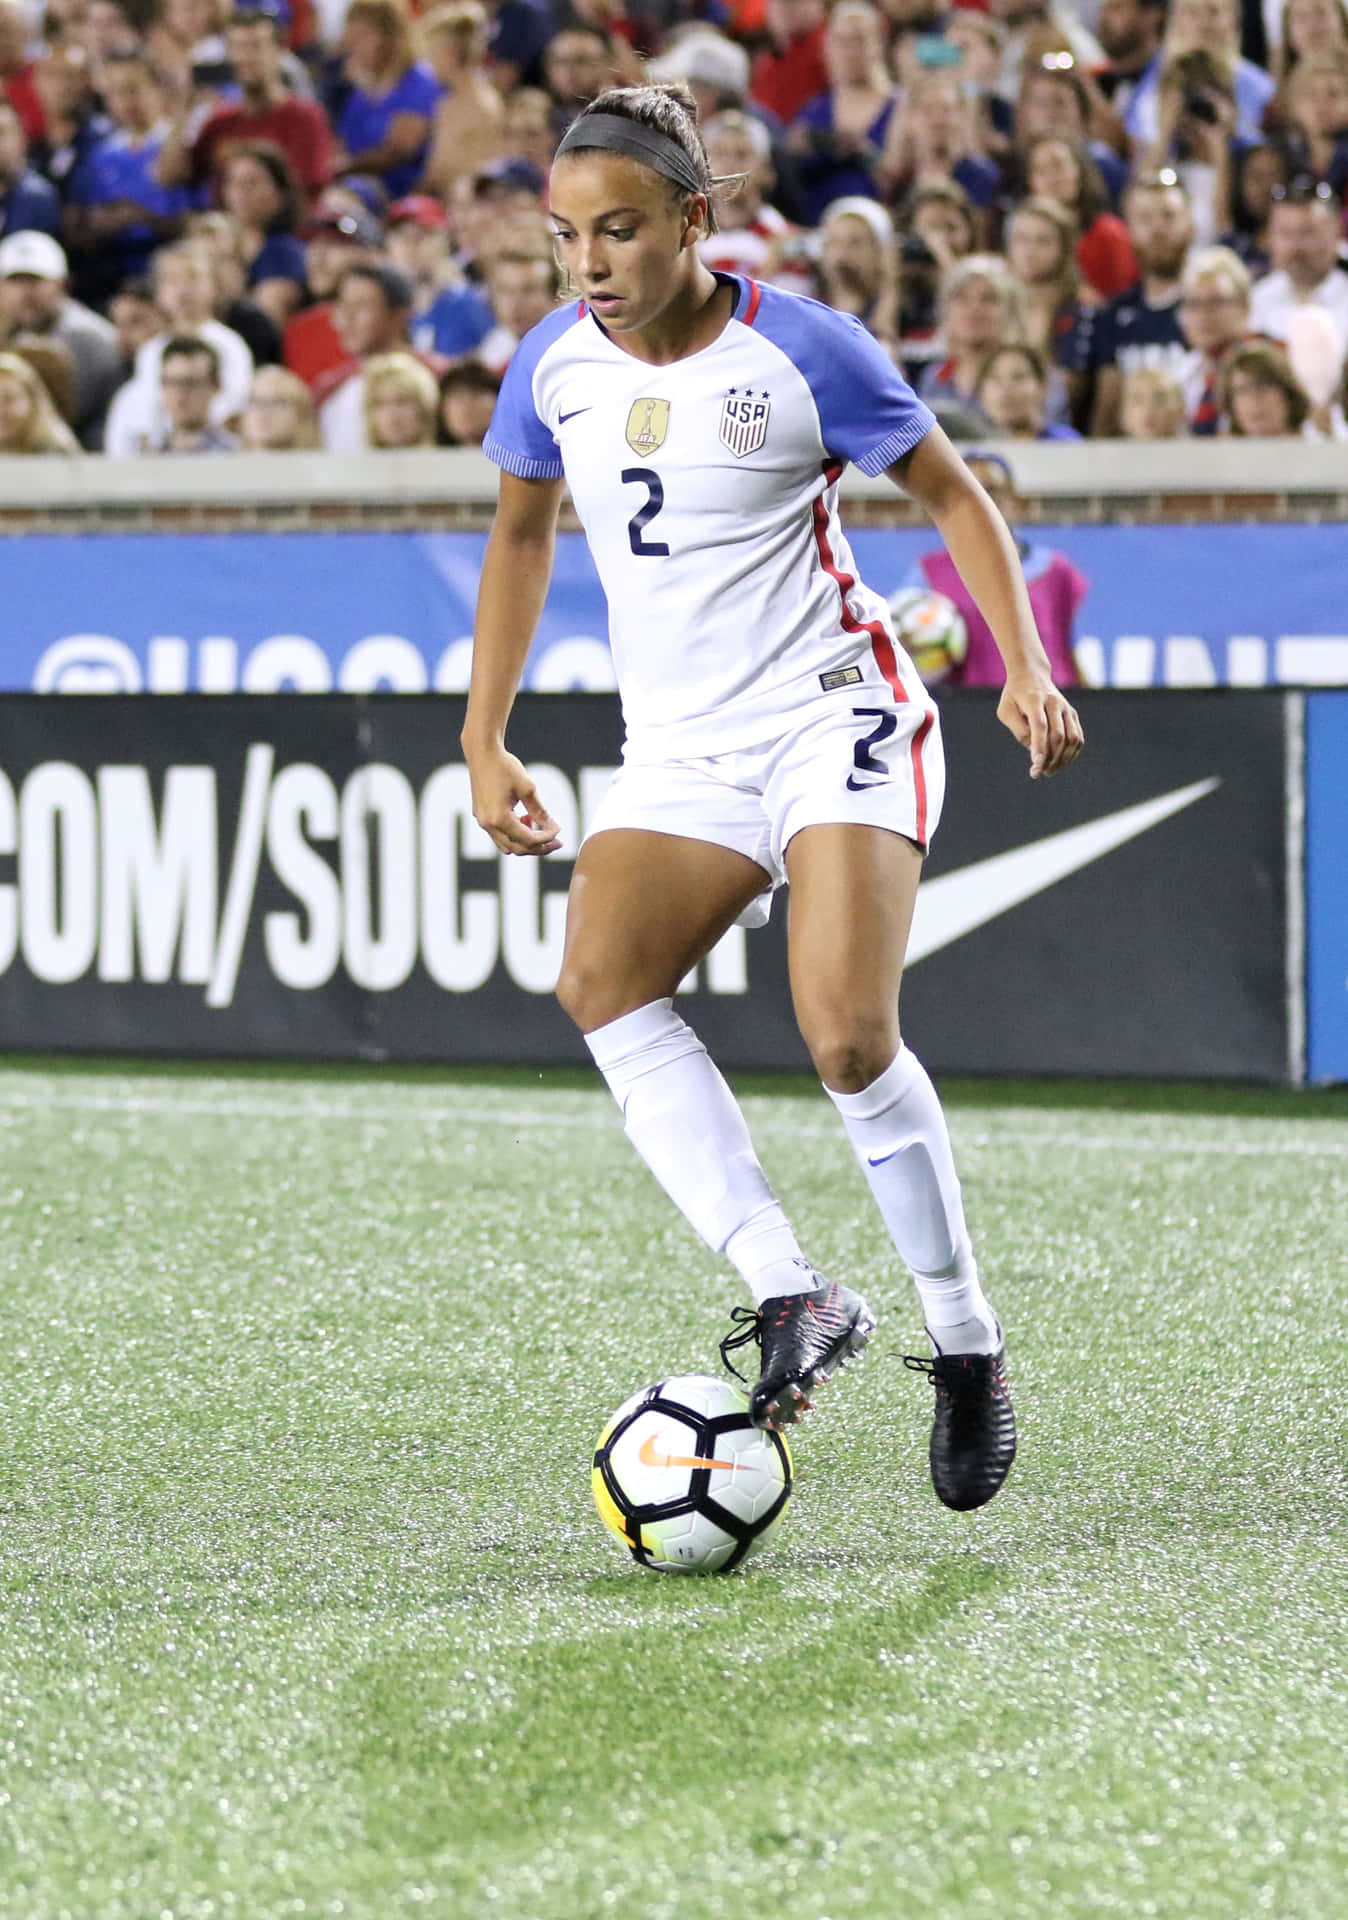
[708, 490]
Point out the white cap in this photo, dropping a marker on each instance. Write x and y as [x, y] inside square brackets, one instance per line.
[704, 55]
[862, 207]
[34, 253]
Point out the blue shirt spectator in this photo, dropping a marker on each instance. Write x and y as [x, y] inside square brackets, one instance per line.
[384, 119]
[124, 212]
[28, 203]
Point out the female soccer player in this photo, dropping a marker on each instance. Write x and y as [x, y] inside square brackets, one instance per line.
[774, 731]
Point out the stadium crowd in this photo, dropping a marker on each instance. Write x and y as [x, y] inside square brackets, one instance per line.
[310, 223]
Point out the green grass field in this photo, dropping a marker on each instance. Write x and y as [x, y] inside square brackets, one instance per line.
[306, 1611]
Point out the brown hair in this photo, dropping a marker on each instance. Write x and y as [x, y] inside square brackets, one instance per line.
[45, 432]
[669, 108]
[1268, 366]
[390, 17]
[1091, 199]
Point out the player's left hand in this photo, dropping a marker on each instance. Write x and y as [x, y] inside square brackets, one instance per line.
[1043, 721]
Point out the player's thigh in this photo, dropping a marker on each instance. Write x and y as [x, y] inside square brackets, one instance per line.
[853, 889]
[644, 907]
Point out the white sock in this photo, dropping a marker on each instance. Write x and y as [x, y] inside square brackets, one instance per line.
[683, 1120]
[899, 1135]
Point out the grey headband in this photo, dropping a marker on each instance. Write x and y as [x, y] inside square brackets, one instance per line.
[619, 135]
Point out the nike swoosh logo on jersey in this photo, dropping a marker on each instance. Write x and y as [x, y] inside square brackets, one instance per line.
[562, 418]
[650, 1456]
[861, 786]
[956, 903]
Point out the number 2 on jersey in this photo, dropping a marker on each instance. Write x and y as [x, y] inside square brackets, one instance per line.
[641, 519]
[863, 760]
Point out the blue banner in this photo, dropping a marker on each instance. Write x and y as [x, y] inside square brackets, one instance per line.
[217, 613]
[1327, 886]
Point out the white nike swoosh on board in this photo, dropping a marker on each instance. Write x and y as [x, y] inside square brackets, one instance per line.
[956, 903]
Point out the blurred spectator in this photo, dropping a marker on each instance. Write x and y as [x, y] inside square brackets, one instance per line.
[280, 416]
[1196, 135]
[578, 63]
[35, 301]
[1140, 327]
[1012, 390]
[859, 265]
[189, 384]
[713, 68]
[1316, 99]
[981, 43]
[470, 117]
[267, 109]
[1310, 26]
[184, 287]
[467, 402]
[28, 203]
[940, 226]
[390, 97]
[839, 136]
[1256, 172]
[485, 209]
[1060, 168]
[1041, 253]
[449, 317]
[751, 235]
[105, 30]
[520, 29]
[218, 237]
[402, 402]
[335, 239]
[522, 288]
[70, 116]
[187, 45]
[264, 199]
[1035, 27]
[935, 137]
[1214, 317]
[17, 84]
[526, 133]
[792, 69]
[117, 212]
[980, 312]
[1303, 243]
[136, 319]
[372, 312]
[1054, 98]
[1262, 398]
[29, 423]
[1151, 406]
[1209, 26]
[1055, 587]
[1130, 33]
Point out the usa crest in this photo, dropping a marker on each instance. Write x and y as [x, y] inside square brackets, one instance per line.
[647, 425]
[744, 421]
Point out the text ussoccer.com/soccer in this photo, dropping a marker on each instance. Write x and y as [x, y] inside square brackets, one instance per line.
[99, 877]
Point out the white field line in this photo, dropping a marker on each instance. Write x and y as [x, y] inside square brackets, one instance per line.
[481, 1113]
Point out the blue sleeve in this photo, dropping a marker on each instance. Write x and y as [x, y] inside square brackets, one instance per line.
[868, 413]
[517, 439]
[417, 92]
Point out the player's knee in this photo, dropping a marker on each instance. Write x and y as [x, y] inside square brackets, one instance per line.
[849, 1050]
[591, 996]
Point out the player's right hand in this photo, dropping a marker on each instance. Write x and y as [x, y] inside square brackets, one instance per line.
[506, 804]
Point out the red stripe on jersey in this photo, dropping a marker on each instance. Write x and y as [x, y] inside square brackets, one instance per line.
[881, 646]
[582, 309]
[755, 295]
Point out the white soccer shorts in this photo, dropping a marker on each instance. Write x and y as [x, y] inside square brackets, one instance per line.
[864, 759]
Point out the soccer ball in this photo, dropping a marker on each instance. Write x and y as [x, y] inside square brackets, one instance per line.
[931, 629]
[685, 1480]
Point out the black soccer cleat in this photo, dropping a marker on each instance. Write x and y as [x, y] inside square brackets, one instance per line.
[973, 1437]
[802, 1338]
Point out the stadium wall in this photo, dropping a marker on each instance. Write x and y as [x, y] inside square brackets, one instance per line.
[1205, 568]
[301, 877]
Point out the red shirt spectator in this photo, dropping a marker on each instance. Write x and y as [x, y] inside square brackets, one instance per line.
[794, 70]
[267, 111]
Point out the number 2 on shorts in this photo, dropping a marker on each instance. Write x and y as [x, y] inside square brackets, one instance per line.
[863, 759]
